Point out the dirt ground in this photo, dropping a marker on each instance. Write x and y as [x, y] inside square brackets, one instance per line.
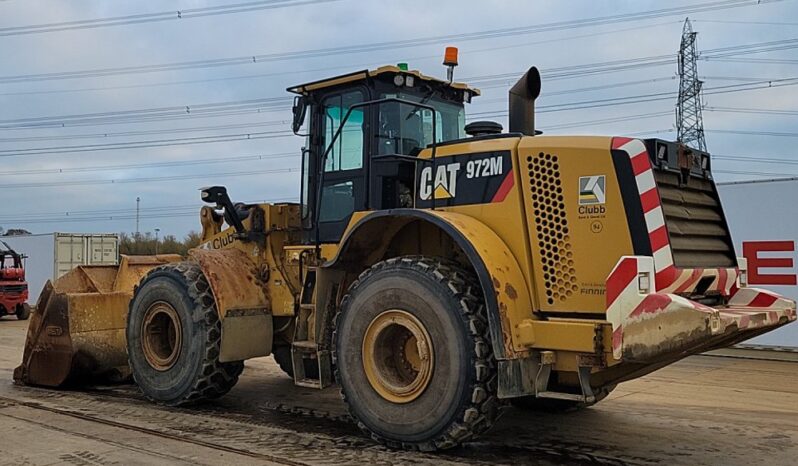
[703, 410]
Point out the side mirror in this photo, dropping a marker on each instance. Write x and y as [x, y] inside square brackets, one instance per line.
[218, 195]
[300, 109]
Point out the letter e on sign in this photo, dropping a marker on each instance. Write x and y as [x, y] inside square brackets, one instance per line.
[751, 250]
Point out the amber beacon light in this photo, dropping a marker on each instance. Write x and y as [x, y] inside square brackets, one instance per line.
[450, 61]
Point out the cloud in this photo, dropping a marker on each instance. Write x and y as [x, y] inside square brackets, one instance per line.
[321, 26]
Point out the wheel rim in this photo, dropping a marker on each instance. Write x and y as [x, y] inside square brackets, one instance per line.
[162, 336]
[397, 356]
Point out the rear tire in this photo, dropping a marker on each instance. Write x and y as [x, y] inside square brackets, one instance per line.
[417, 396]
[174, 337]
[23, 311]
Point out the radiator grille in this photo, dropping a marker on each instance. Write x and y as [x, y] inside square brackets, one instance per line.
[698, 232]
[13, 288]
[551, 227]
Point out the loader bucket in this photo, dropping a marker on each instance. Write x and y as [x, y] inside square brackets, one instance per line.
[77, 333]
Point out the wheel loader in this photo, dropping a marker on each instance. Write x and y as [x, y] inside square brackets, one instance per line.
[437, 271]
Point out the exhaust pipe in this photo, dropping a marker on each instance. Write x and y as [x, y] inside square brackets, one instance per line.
[522, 103]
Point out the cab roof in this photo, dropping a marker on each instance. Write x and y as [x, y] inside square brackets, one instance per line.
[306, 88]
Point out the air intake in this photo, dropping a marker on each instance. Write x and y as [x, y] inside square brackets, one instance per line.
[483, 128]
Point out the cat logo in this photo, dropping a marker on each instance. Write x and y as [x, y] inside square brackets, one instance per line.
[444, 184]
[592, 190]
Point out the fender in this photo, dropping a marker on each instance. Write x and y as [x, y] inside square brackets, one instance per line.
[241, 301]
[503, 285]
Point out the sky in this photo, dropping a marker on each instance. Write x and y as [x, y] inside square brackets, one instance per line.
[78, 146]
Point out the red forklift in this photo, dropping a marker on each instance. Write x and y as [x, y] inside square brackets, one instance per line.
[13, 287]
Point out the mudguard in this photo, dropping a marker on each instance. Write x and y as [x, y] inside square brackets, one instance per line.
[241, 299]
[503, 284]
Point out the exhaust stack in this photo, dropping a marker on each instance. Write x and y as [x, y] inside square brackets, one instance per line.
[522, 103]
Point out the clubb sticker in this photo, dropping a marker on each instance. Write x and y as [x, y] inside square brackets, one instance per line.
[592, 190]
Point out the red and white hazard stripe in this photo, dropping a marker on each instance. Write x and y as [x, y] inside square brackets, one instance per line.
[652, 208]
[627, 304]
[669, 278]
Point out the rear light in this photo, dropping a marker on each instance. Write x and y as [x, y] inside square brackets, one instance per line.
[742, 265]
[644, 283]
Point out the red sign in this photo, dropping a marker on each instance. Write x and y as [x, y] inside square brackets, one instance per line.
[751, 250]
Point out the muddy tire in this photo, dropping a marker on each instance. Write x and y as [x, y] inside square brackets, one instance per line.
[282, 356]
[174, 336]
[419, 325]
[548, 405]
[23, 311]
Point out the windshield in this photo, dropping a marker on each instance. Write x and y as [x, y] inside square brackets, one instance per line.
[407, 129]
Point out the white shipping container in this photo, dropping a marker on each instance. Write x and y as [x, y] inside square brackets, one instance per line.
[51, 255]
[763, 219]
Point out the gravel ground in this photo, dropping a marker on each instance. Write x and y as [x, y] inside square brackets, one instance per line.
[703, 410]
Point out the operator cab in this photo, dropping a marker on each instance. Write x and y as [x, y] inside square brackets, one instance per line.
[367, 128]
[11, 265]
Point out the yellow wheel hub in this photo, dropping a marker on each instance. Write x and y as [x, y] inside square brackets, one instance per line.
[162, 336]
[397, 356]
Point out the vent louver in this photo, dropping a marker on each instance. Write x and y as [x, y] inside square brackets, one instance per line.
[551, 228]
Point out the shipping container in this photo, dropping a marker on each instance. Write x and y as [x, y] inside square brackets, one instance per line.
[763, 219]
[51, 255]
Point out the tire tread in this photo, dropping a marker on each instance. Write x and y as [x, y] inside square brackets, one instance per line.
[483, 407]
[215, 378]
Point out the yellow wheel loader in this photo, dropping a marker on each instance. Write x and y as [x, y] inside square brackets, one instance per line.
[435, 270]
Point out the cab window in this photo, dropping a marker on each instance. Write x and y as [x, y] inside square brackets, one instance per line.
[407, 129]
[347, 151]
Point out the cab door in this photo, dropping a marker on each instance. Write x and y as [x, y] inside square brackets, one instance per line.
[343, 190]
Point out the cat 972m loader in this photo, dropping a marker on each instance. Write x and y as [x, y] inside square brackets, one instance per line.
[434, 270]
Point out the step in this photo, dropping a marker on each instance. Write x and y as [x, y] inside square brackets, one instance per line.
[562, 396]
[302, 351]
[305, 346]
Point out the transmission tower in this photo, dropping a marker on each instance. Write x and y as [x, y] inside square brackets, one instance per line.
[689, 122]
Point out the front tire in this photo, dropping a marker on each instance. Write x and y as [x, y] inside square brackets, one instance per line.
[174, 337]
[23, 311]
[413, 354]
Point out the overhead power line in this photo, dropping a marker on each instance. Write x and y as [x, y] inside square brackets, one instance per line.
[193, 129]
[278, 103]
[261, 135]
[397, 44]
[275, 103]
[136, 166]
[763, 23]
[143, 144]
[152, 179]
[755, 173]
[172, 15]
[121, 214]
[604, 121]
[758, 111]
[755, 133]
[180, 110]
[345, 67]
[759, 61]
[756, 159]
[636, 99]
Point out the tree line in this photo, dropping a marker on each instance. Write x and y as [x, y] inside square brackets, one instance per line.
[145, 243]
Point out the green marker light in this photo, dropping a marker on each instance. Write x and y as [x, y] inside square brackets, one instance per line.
[402, 66]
